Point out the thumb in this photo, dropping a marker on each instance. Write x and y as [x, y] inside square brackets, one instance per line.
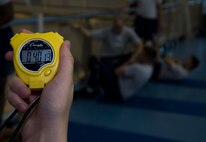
[65, 71]
[58, 93]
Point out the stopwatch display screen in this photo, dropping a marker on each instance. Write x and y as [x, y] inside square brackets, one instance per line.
[35, 54]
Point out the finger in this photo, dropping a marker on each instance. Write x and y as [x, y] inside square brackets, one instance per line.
[17, 102]
[65, 71]
[9, 56]
[25, 31]
[32, 98]
[62, 84]
[18, 87]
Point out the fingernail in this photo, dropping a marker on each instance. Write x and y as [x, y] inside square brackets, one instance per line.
[67, 43]
[22, 107]
[25, 91]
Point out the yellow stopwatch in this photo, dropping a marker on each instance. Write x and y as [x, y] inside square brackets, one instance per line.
[36, 57]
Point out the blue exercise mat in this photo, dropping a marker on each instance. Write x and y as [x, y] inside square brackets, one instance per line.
[159, 104]
[87, 133]
[185, 83]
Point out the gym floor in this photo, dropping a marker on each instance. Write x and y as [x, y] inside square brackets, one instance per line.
[161, 112]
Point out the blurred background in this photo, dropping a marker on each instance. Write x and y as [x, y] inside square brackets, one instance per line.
[171, 108]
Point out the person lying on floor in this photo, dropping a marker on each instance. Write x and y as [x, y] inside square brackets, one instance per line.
[128, 79]
[170, 68]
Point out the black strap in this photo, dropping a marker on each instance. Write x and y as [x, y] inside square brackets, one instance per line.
[19, 126]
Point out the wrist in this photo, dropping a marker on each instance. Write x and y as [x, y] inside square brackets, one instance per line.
[51, 131]
[55, 132]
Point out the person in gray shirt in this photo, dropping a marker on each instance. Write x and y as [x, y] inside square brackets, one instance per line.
[114, 51]
[115, 40]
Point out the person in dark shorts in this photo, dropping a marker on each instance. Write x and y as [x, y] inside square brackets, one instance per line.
[125, 82]
[148, 20]
[6, 16]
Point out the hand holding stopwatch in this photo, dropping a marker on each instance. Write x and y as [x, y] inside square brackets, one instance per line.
[36, 57]
[36, 61]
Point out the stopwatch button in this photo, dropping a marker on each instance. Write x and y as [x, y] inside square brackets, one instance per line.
[47, 72]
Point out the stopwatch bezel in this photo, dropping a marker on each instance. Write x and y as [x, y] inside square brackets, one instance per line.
[45, 65]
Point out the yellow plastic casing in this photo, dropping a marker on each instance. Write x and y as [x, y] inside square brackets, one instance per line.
[37, 80]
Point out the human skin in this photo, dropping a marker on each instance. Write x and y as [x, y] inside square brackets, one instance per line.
[49, 120]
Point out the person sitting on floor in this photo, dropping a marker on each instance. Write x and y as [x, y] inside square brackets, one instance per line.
[114, 50]
[115, 40]
[128, 79]
[170, 68]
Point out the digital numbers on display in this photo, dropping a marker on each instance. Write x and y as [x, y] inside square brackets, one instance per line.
[36, 54]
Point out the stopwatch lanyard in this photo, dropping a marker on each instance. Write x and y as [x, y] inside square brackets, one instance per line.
[20, 124]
